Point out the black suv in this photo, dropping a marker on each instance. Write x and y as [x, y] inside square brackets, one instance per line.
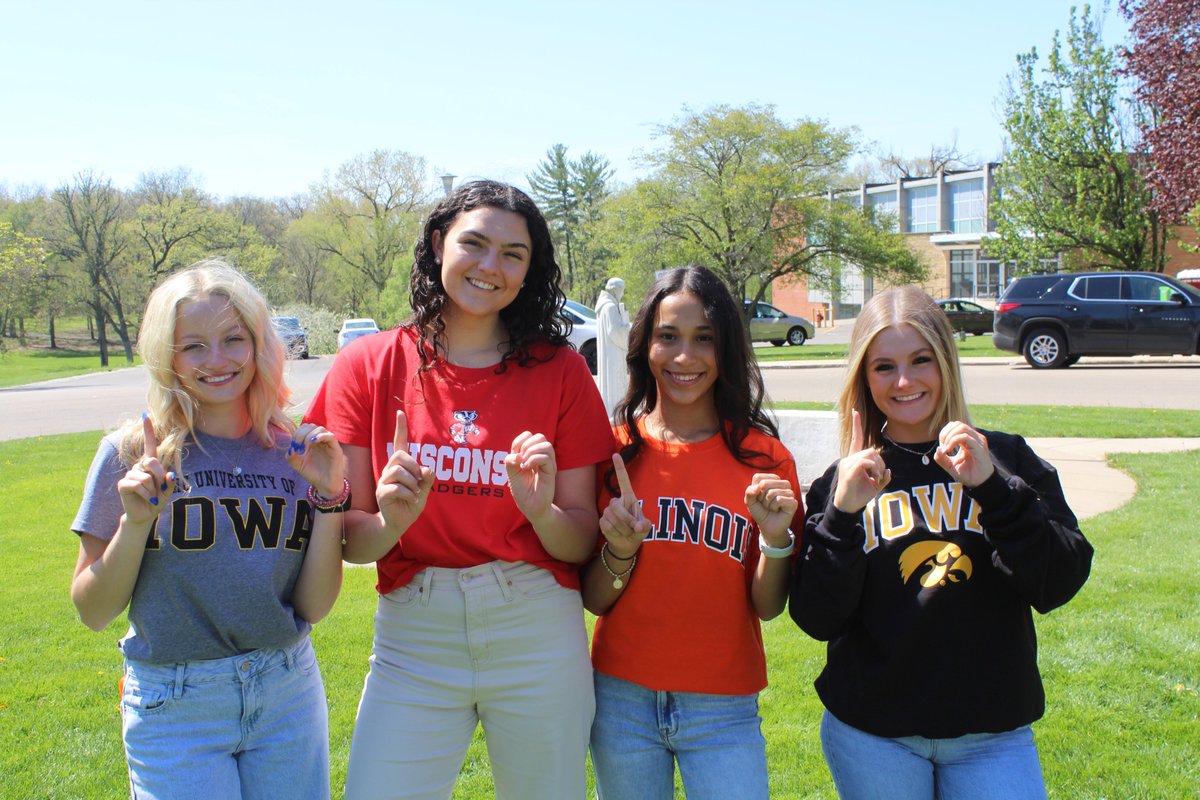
[1052, 320]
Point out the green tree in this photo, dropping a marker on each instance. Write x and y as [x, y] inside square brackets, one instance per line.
[571, 194]
[374, 205]
[88, 231]
[1070, 180]
[25, 279]
[746, 194]
[173, 222]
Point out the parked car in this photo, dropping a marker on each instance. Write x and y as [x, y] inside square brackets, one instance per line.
[584, 329]
[295, 339]
[355, 329]
[1052, 320]
[769, 324]
[967, 316]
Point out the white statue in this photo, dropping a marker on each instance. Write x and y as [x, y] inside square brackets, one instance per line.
[612, 343]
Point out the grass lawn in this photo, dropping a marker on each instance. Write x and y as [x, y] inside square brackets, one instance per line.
[1119, 662]
[972, 346]
[18, 367]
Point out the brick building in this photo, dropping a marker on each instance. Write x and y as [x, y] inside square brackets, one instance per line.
[946, 219]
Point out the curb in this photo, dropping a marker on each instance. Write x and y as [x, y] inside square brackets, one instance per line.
[1014, 361]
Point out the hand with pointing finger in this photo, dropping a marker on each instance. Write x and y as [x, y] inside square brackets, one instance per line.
[861, 474]
[404, 485]
[147, 486]
[622, 523]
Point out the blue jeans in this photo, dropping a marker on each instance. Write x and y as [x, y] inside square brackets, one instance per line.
[640, 734]
[253, 726]
[978, 766]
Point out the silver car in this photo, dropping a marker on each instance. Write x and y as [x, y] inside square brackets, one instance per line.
[769, 324]
[583, 331]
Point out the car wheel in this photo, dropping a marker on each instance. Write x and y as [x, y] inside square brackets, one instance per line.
[1045, 349]
[588, 351]
[779, 342]
[797, 337]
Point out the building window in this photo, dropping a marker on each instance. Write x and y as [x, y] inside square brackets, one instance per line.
[966, 206]
[923, 209]
[884, 205]
[989, 277]
[962, 273]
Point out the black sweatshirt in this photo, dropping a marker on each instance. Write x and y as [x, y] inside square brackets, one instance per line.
[928, 620]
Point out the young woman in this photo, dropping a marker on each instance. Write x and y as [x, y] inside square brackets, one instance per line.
[697, 546]
[221, 695]
[925, 548]
[472, 433]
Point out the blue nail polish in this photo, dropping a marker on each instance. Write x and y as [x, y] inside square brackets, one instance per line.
[314, 438]
[300, 447]
[170, 476]
[164, 486]
[153, 501]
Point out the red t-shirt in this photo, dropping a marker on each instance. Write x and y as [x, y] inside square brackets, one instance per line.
[685, 622]
[461, 423]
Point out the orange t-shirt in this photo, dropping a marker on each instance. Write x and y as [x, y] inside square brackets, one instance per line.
[685, 622]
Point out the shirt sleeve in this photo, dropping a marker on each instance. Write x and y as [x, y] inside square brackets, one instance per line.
[100, 509]
[827, 584]
[584, 435]
[342, 403]
[1038, 544]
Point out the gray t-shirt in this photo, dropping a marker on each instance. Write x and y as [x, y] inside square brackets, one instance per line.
[221, 561]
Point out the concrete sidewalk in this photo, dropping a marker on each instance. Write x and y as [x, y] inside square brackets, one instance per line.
[1093, 487]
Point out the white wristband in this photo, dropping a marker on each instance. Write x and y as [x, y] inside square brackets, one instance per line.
[777, 552]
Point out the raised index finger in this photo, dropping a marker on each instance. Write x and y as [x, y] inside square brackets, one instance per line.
[627, 494]
[400, 440]
[150, 445]
[856, 431]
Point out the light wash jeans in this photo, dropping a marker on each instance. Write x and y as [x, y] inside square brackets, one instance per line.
[978, 766]
[248, 727]
[640, 734]
[500, 644]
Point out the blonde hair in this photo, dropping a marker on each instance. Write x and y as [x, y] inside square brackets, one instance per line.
[171, 408]
[906, 305]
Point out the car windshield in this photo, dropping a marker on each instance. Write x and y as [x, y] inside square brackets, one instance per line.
[286, 322]
[581, 309]
[360, 323]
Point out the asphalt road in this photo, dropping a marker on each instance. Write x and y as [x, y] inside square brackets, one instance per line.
[101, 401]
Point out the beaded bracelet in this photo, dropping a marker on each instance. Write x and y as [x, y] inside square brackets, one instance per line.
[617, 582]
[331, 505]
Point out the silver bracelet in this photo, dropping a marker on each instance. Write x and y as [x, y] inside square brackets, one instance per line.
[777, 552]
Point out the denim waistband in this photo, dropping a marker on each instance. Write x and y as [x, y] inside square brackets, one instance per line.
[212, 670]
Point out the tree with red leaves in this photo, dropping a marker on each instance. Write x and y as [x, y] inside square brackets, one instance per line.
[1164, 57]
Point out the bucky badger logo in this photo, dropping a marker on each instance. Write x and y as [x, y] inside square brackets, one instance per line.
[465, 426]
[937, 563]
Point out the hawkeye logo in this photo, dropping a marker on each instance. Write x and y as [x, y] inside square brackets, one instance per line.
[935, 564]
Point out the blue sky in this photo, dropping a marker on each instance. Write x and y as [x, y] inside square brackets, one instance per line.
[264, 98]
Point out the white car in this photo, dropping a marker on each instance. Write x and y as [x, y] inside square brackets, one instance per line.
[355, 329]
[584, 330]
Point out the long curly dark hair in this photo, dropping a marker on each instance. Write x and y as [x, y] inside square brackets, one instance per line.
[738, 392]
[535, 313]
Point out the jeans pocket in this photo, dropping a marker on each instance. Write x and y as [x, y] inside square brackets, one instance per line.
[537, 585]
[306, 660]
[406, 595]
[145, 697]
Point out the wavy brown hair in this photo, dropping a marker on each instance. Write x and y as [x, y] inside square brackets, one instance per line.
[535, 313]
